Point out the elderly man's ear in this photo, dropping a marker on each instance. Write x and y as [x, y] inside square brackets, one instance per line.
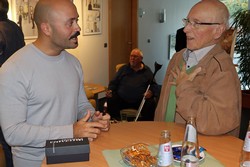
[219, 31]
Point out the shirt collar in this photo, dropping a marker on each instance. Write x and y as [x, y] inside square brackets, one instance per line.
[199, 54]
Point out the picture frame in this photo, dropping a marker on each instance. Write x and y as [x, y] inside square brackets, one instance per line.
[92, 17]
[171, 47]
[23, 15]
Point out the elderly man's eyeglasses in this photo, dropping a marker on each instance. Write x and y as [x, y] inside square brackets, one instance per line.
[196, 24]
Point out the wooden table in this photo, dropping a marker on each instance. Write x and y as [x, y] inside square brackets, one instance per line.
[95, 89]
[226, 149]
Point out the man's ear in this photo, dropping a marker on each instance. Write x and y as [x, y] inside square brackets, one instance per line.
[45, 28]
[219, 31]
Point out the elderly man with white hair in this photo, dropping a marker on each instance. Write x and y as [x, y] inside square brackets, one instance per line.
[201, 80]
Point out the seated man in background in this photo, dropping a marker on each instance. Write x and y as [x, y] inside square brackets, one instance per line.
[127, 88]
[201, 80]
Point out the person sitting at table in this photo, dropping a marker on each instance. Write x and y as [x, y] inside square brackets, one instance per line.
[127, 88]
[41, 88]
[201, 80]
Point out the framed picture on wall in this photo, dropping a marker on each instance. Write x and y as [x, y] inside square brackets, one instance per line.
[171, 48]
[23, 15]
[92, 17]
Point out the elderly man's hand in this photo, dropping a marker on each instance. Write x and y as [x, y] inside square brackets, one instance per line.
[148, 94]
[109, 93]
[181, 75]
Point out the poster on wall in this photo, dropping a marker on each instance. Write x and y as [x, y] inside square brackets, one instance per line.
[23, 15]
[92, 17]
[172, 40]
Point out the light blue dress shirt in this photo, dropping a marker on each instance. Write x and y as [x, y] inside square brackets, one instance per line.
[192, 58]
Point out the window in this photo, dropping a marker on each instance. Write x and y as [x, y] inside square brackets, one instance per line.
[234, 5]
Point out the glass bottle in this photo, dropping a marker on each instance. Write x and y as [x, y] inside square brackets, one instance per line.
[105, 108]
[165, 153]
[190, 148]
[245, 155]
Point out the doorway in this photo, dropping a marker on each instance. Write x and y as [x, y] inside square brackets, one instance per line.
[122, 32]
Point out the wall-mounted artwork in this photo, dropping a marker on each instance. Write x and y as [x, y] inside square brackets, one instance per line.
[172, 40]
[23, 15]
[92, 17]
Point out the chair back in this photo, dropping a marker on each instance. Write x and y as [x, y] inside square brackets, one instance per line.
[228, 41]
[234, 35]
[2, 157]
[118, 66]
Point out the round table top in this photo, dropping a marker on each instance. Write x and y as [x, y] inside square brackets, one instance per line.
[224, 148]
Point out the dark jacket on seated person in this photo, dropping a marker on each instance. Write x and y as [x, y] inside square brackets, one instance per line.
[128, 88]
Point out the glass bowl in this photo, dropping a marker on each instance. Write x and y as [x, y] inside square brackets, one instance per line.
[139, 155]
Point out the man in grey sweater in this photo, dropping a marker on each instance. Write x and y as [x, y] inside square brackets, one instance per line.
[41, 88]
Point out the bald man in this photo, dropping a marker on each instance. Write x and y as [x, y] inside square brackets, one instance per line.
[41, 88]
[201, 79]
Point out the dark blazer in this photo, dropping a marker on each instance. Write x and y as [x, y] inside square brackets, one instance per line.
[11, 39]
[181, 40]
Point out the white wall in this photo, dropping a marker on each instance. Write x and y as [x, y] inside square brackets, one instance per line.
[91, 52]
[158, 33]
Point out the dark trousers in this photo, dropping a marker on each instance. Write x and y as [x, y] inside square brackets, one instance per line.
[115, 104]
[7, 150]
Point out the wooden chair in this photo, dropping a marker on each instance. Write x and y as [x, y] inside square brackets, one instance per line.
[90, 97]
[118, 66]
[228, 41]
[2, 157]
[234, 35]
[129, 112]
